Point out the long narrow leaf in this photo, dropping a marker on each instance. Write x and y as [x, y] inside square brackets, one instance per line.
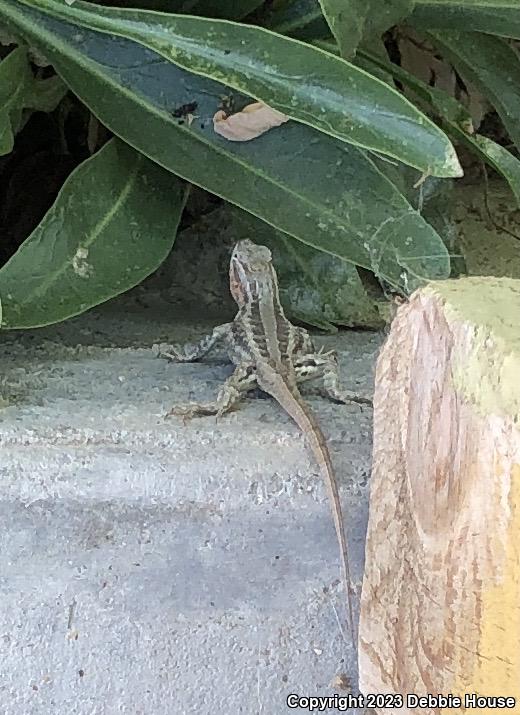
[346, 19]
[15, 78]
[299, 18]
[496, 17]
[112, 224]
[20, 91]
[316, 288]
[226, 9]
[453, 115]
[352, 20]
[323, 192]
[493, 66]
[305, 83]
[456, 120]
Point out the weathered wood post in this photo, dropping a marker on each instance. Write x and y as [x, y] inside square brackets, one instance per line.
[440, 606]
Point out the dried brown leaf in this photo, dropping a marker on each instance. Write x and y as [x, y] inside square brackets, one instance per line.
[253, 121]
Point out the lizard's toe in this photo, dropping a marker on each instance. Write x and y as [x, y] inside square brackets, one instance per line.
[184, 411]
[173, 353]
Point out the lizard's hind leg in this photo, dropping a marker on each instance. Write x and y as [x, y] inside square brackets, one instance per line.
[234, 388]
[325, 365]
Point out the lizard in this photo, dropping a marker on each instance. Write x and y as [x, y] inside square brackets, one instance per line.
[272, 354]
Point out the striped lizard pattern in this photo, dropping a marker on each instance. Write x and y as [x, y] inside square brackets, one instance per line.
[271, 353]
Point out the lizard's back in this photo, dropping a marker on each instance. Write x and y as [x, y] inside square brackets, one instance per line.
[264, 337]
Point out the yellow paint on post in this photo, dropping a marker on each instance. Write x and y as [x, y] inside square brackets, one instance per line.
[497, 668]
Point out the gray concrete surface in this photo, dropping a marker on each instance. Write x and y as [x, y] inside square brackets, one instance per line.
[151, 567]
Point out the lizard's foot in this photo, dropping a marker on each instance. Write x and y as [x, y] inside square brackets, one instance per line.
[191, 351]
[192, 409]
[228, 397]
[325, 365]
[174, 353]
[346, 396]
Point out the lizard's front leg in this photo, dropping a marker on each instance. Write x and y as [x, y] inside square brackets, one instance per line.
[325, 365]
[192, 352]
[234, 388]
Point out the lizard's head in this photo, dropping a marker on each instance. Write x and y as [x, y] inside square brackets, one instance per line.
[250, 271]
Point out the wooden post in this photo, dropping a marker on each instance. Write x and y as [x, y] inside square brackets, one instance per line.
[440, 605]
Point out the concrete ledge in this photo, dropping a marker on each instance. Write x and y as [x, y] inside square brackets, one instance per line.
[151, 567]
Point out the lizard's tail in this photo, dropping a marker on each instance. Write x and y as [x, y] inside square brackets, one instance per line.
[292, 402]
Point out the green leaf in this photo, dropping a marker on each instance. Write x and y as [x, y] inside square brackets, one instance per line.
[352, 20]
[346, 19]
[330, 94]
[315, 288]
[113, 223]
[497, 156]
[383, 15]
[15, 78]
[495, 17]
[226, 9]
[325, 193]
[456, 121]
[445, 105]
[492, 65]
[300, 18]
[47, 94]
[20, 91]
